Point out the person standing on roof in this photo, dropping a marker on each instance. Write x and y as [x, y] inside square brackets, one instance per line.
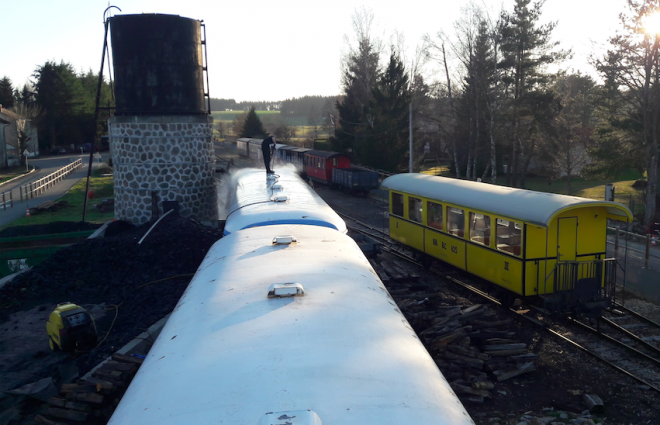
[267, 148]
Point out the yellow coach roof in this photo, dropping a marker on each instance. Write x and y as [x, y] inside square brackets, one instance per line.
[533, 207]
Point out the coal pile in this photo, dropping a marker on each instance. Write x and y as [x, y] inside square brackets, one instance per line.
[118, 272]
[47, 229]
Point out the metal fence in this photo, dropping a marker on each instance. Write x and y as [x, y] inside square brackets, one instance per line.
[36, 188]
[7, 198]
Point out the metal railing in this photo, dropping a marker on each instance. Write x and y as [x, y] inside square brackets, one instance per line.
[36, 188]
[4, 200]
[577, 282]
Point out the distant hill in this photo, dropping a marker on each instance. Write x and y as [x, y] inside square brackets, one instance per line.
[300, 107]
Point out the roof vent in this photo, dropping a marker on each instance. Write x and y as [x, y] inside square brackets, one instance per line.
[284, 240]
[278, 290]
[279, 198]
[293, 417]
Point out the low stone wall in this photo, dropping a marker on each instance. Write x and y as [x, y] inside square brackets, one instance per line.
[167, 158]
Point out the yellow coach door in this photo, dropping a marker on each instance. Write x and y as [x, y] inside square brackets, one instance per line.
[567, 239]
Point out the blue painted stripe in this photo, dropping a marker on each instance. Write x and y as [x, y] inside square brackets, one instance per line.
[289, 221]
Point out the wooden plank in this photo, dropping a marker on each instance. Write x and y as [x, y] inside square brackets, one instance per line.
[56, 401]
[127, 359]
[40, 419]
[379, 271]
[500, 347]
[72, 415]
[405, 267]
[504, 374]
[122, 367]
[483, 385]
[109, 374]
[77, 388]
[87, 397]
[76, 405]
[467, 361]
[505, 353]
[478, 324]
[462, 389]
[390, 271]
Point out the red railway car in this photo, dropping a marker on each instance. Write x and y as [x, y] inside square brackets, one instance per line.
[319, 164]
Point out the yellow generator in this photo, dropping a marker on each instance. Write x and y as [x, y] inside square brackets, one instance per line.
[69, 327]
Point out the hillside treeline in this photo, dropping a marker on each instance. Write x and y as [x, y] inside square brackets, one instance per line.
[489, 96]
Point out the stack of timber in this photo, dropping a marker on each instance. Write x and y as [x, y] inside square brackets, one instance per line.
[472, 347]
[94, 400]
[49, 206]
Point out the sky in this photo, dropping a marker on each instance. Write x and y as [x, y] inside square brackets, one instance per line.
[273, 50]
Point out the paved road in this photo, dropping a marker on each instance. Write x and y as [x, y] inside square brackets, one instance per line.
[45, 167]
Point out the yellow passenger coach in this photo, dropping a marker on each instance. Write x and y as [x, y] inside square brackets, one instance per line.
[528, 243]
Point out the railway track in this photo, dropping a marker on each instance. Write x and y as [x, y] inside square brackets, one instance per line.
[623, 339]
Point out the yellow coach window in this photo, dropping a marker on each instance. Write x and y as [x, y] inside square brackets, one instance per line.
[434, 215]
[509, 236]
[480, 228]
[397, 204]
[415, 209]
[456, 221]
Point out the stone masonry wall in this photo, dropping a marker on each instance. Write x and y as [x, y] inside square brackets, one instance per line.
[171, 156]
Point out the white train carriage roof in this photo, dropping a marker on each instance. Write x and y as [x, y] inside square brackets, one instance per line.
[229, 354]
[255, 201]
[538, 208]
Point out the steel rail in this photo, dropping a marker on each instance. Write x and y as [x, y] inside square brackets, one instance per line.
[615, 341]
[535, 321]
[631, 335]
[344, 208]
[637, 315]
[625, 372]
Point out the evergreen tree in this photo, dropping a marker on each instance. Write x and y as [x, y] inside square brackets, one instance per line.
[253, 126]
[7, 99]
[388, 115]
[527, 49]
[360, 69]
[26, 95]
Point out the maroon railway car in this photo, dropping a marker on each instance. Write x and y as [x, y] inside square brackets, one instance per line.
[319, 164]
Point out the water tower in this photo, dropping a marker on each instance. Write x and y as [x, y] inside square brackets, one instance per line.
[161, 137]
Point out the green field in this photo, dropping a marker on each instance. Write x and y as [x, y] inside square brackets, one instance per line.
[103, 188]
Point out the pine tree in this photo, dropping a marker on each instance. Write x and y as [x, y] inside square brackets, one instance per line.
[253, 126]
[360, 70]
[527, 49]
[387, 142]
[7, 99]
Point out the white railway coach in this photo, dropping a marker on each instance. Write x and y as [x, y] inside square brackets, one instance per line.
[285, 199]
[288, 324]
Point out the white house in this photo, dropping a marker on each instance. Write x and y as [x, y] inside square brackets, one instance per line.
[9, 154]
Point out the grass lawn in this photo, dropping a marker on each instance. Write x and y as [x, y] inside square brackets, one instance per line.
[102, 188]
[11, 172]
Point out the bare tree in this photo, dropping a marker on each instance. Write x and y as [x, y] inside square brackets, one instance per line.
[284, 132]
[23, 129]
[314, 121]
[633, 63]
[238, 123]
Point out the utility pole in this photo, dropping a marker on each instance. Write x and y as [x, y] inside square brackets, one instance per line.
[410, 159]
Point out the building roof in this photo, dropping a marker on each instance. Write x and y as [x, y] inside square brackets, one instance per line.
[538, 208]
